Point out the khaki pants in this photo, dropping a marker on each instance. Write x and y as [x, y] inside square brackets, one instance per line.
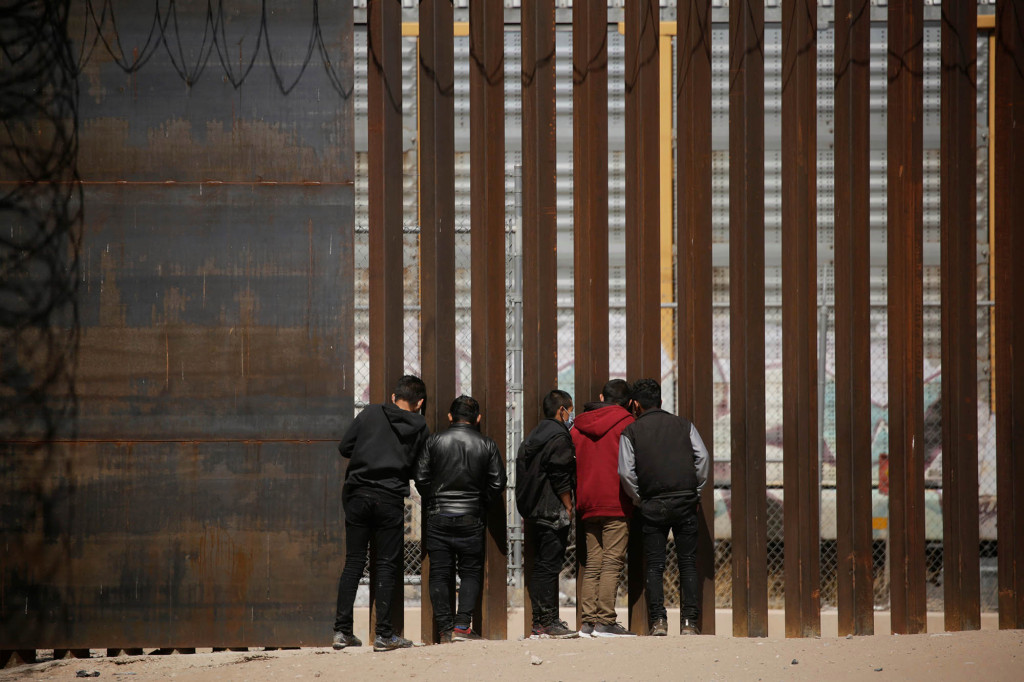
[606, 552]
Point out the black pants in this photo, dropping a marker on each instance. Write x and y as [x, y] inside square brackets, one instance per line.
[657, 520]
[455, 544]
[549, 555]
[382, 520]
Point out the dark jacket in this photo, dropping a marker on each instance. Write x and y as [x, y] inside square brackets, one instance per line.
[382, 444]
[596, 438]
[545, 469]
[459, 471]
[662, 455]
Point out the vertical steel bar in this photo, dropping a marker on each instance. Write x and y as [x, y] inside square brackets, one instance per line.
[855, 560]
[746, 324]
[906, 400]
[958, 164]
[487, 216]
[694, 286]
[540, 337]
[384, 129]
[436, 137]
[799, 317]
[643, 227]
[540, 267]
[1009, 250]
[643, 316]
[590, 195]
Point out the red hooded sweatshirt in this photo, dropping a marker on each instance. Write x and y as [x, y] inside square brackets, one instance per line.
[596, 434]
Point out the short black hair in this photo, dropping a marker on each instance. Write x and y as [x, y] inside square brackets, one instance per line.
[465, 409]
[647, 393]
[410, 389]
[617, 392]
[554, 401]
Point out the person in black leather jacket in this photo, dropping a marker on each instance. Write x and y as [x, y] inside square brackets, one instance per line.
[458, 472]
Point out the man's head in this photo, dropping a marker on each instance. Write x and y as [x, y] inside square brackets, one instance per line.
[616, 392]
[410, 393]
[646, 394]
[464, 410]
[557, 405]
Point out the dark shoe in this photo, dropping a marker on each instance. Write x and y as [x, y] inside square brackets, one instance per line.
[555, 630]
[659, 628]
[464, 635]
[391, 643]
[446, 637]
[341, 640]
[613, 630]
[587, 630]
[688, 627]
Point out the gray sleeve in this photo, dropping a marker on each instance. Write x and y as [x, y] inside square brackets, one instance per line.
[627, 468]
[700, 458]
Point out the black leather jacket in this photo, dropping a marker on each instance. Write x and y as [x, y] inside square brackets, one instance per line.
[459, 471]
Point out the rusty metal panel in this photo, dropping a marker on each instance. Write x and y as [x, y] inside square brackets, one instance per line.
[1009, 248]
[694, 286]
[746, 322]
[487, 215]
[904, 233]
[159, 493]
[178, 544]
[437, 231]
[590, 195]
[799, 317]
[961, 571]
[855, 560]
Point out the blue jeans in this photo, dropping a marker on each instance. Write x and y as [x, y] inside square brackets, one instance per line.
[455, 544]
[658, 518]
[382, 520]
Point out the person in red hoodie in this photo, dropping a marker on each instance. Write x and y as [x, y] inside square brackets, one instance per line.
[603, 507]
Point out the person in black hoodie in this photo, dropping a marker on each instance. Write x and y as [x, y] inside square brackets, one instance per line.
[458, 473]
[381, 446]
[663, 464]
[545, 479]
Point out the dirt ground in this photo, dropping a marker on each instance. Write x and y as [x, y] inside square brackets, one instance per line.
[988, 654]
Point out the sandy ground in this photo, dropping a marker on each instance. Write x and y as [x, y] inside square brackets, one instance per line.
[987, 655]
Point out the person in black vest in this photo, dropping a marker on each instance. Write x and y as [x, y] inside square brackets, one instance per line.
[381, 445]
[663, 464]
[545, 480]
[458, 473]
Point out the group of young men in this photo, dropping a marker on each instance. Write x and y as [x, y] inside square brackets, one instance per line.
[622, 455]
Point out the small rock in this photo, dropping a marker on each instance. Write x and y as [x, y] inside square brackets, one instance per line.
[536, 660]
[849, 637]
[794, 662]
[878, 670]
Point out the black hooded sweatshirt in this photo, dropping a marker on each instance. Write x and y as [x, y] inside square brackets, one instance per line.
[381, 446]
[545, 469]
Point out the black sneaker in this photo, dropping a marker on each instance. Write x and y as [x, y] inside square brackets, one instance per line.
[688, 627]
[446, 637]
[659, 628]
[587, 630]
[342, 640]
[613, 630]
[464, 635]
[555, 630]
[391, 643]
